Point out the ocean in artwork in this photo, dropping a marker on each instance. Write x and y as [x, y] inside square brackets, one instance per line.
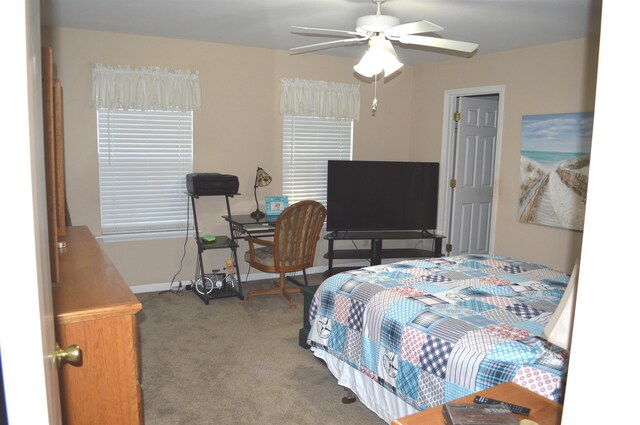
[554, 169]
[550, 158]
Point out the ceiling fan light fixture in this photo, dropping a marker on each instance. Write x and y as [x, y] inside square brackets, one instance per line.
[390, 61]
[392, 66]
[368, 65]
[381, 57]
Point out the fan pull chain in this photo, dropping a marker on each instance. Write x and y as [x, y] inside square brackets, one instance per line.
[374, 106]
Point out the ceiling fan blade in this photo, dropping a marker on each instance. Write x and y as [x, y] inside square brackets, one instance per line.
[417, 27]
[441, 43]
[328, 44]
[342, 33]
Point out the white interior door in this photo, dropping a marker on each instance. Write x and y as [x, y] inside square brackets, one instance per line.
[26, 313]
[473, 175]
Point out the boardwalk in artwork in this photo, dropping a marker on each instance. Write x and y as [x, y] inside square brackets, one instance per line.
[554, 195]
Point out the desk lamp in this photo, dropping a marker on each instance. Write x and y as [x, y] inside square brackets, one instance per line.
[262, 179]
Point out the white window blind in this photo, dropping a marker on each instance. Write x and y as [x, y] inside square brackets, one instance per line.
[144, 157]
[309, 142]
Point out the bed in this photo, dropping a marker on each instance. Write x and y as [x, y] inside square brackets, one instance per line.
[414, 334]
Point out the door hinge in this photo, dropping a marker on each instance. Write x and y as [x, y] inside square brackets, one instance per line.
[456, 116]
[449, 248]
[453, 183]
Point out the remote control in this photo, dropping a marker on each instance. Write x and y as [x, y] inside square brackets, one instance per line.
[518, 410]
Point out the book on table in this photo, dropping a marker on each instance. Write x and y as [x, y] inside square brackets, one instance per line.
[474, 414]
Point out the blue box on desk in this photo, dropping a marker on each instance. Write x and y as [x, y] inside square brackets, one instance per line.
[275, 205]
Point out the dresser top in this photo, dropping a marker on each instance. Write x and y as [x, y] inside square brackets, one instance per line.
[90, 286]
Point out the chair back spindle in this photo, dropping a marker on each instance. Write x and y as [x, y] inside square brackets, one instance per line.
[297, 232]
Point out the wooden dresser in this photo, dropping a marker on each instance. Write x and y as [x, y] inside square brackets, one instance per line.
[95, 308]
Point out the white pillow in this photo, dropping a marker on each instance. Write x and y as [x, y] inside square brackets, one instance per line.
[558, 330]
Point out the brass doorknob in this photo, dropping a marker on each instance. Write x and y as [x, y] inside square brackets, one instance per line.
[72, 355]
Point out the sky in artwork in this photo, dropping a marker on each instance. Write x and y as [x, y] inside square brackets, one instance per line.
[557, 132]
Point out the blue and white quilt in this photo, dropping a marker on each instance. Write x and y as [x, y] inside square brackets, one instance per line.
[433, 330]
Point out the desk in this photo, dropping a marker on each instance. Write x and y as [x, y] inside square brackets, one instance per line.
[543, 410]
[244, 225]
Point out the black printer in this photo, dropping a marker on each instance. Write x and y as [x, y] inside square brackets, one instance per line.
[207, 184]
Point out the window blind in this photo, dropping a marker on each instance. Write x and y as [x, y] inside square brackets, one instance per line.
[308, 143]
[144, 157]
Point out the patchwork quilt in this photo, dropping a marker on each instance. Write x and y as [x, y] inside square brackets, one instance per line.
[434, 330]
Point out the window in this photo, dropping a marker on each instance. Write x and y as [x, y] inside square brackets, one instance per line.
[318, 126]
[309, 142]
[145, 147]
[144, 157]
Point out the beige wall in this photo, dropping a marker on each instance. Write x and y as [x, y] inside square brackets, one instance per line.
[554, 78]
[240, 127]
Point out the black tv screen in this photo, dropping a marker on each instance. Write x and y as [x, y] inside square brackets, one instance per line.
[382, 195]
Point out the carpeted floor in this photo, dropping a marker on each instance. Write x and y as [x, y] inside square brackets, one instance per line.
[235, 362]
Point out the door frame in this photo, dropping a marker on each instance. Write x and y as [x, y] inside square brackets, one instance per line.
[447, 151]
[30, 377]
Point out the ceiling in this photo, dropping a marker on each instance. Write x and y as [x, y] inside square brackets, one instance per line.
[496, 25]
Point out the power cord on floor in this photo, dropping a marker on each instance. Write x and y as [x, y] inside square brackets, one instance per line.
[246, 278]
[180, 289]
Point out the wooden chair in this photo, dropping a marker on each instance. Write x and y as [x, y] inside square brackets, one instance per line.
[293, 248]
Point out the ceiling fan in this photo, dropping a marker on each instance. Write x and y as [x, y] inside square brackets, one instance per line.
[379, 31]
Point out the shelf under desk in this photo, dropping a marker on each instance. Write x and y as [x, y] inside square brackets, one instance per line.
[244, 224]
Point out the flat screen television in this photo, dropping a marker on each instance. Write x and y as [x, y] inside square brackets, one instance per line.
[382, 195]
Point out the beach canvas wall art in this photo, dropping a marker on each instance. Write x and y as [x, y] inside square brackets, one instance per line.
[554, 169]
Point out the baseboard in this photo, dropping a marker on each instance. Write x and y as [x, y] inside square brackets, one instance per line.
[158, 287]
[155, 287]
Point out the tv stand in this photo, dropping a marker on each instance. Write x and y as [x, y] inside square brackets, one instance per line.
[377, 253]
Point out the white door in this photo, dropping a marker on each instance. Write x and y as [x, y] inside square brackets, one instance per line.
[26, 312]
[473, 175]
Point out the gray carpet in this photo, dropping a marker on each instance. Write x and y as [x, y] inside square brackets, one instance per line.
[234, 362]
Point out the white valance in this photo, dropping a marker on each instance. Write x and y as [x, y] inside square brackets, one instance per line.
[145, 88]
[320, 99]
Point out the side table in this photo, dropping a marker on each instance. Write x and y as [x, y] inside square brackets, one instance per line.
[543, 410]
